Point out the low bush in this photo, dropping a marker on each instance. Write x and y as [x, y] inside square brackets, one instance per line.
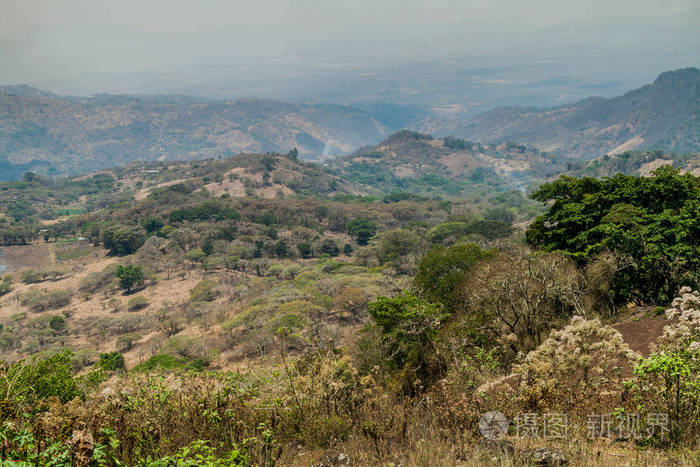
[136, 303]
[38, 301]
[98, 281]
[188, 347]
[204, 291]
[668, 381]
[5, 288]
[30, 276]
[125, 342]
[111, 361]
[165, 362]
[30, 381]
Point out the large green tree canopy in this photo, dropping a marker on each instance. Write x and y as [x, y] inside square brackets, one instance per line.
[654, 221]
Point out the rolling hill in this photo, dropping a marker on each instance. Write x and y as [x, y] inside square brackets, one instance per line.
[67, 135]
[261, 176]
[663, 115]
[414, 162]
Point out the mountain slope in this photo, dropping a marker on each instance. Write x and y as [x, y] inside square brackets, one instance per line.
[262, 176]
[71, 135]
[406, 160]
[641, 163]
[663, 115]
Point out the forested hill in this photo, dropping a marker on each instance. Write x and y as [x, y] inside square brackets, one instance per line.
[663, 115]
[56, 135]
[410, 161]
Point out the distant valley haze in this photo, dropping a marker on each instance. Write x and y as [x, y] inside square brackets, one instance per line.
[94, 83]
[476, 55]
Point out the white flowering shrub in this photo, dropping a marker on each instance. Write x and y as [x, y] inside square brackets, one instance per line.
[685, 332]
[583, 362]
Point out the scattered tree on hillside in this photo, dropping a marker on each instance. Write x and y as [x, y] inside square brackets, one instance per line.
[399, 248]
[410, 326]
[362, 229]
[130, 276]
[122, 240]
[442, 269]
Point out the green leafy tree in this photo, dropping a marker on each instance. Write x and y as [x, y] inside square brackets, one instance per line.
[196, 255]
[122, 240]
[111, 361]
[362, 229]
[443, 268]
[654, 221]
[231, 262]
[394, 245]
[57, 323]
[130, 276]
[409, 326]
[329, 246]
[304, 249]
[280, 249]
[152, 225]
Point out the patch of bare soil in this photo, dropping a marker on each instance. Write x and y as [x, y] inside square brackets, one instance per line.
[459, 163]
[641, 330]
[628, 145]
[234, 187]
[143, 193]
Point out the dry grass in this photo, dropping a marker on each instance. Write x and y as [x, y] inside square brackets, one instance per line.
[37, 255]
[432, 450]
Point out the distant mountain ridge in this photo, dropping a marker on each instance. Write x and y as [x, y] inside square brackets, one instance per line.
[24, 90]
[67, 135]
[663, 115]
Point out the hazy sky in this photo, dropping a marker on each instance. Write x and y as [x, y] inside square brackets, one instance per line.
[222, 47]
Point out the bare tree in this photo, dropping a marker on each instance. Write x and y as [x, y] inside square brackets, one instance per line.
[518, 295]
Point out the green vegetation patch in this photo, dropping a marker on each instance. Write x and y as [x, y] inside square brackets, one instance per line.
[165, 363]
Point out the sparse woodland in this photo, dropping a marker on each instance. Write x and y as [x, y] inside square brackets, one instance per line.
[215, 313]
